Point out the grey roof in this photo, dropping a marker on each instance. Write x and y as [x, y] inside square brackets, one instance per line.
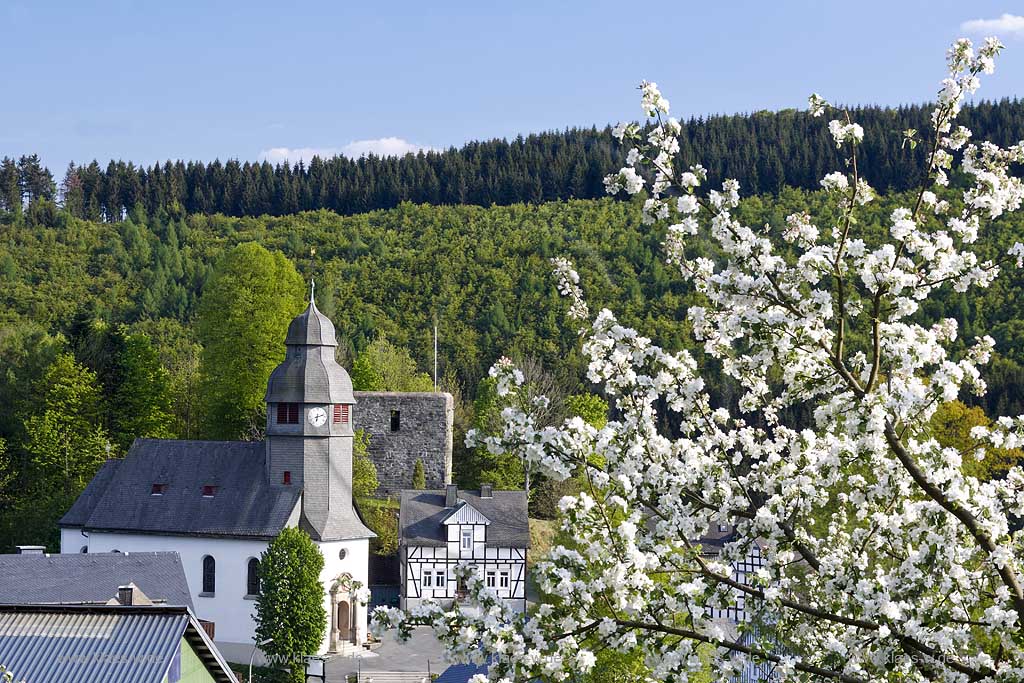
[311, 327]
[86, 502]
[245, 504]
[339, 527]
[422, 514]
[85, 578]
[110, 644]
[309, 374]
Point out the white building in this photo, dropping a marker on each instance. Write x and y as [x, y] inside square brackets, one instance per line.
[441, 529]
[218, 504]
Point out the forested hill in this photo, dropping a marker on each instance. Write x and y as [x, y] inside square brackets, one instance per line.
[764, 151]
[483, 274]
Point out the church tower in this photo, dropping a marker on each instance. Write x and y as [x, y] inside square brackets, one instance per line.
[309, 429]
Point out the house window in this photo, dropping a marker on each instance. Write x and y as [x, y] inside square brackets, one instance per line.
[287, 413]
[396, 420]
[158, 489]
[490, 579]
[503, 579]
[287, 479]
[722, 528]
[440, 579]
[467, 539]
[428, 579]
[209, 491]
[252, 578]
[209, 575]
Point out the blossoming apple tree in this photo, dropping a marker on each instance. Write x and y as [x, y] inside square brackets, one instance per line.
[882, 559]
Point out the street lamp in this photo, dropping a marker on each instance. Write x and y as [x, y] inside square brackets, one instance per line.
[258, 646]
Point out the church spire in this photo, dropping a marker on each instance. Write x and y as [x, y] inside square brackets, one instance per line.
[312, 290]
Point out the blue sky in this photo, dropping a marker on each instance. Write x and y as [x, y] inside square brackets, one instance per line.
[149, 81]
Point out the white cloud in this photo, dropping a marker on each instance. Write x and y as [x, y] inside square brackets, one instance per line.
[382, 147]
[1010, 25]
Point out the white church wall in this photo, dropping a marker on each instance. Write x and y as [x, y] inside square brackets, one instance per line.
[72, 540]
[356, 563]
[228, 608]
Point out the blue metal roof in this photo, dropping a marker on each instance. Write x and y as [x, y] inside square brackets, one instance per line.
[110, 644]
[460, 673]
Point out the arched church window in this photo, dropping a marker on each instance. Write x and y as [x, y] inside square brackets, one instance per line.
[252, 579]
[209, 574]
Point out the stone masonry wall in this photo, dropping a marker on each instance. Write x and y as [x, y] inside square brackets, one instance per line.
[424, 433]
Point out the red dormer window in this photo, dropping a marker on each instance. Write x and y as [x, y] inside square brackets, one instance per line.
[209, 491]
[158, 489]
[287, 413]
[287, 478]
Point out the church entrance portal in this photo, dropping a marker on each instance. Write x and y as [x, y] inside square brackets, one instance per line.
[344, 612]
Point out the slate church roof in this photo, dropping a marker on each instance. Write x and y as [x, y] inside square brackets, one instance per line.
[311, 375]
[243, 504]
[422, 515]
[84, 578]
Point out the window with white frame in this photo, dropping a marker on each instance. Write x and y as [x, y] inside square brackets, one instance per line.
[490, 579]
[428, 579]
[467, 539]
[503, 579]
[441, 579]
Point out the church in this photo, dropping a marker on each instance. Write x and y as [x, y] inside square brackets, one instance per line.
[218, 504]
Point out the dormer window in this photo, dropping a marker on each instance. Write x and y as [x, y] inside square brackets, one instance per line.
[467, 539]
[209, 491]
[158, 489]
[287, 479]
[287, 413]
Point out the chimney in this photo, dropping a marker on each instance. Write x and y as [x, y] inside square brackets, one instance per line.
[487, 490]
[126, 594]
[451, 494]
[31, 549]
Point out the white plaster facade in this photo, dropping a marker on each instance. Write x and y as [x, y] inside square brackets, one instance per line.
[231, 611]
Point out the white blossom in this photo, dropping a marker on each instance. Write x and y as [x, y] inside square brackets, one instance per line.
[883, 560]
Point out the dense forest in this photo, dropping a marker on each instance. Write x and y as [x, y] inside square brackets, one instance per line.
[481, 274]
[765, 151]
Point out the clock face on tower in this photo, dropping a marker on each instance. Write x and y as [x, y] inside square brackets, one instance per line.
[317, 417]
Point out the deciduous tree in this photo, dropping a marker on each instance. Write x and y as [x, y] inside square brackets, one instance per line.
[247, 303]
[290, 607]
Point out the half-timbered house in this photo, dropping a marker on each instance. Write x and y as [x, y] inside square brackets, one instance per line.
[443, 528]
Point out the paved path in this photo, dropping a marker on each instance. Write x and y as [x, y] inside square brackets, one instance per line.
[422, 652]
